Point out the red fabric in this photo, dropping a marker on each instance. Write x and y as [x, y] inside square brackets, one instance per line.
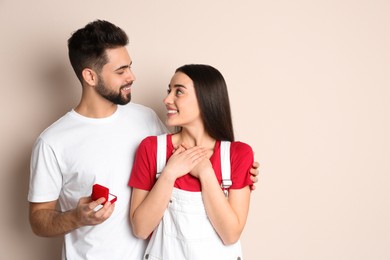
[143, 174]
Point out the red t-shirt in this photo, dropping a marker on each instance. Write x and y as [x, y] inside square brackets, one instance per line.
[143, 174]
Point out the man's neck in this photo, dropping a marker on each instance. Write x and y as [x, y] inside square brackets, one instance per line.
[93, 105]
[94, 110]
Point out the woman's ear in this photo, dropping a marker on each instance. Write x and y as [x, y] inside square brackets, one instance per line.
[90, 77]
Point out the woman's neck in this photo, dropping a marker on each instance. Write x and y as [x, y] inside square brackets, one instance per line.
[193, 138]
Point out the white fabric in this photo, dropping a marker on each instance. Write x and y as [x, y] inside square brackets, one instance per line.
[76, 152]
[225, 166]
[161, 153]
[185, 231]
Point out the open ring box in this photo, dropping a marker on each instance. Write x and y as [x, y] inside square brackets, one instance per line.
[99, 191]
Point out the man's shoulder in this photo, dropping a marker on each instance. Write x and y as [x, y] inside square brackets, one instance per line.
[57, 125]
[135, 106]
[137, 110]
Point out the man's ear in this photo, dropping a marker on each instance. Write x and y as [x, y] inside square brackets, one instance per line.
[90, 77]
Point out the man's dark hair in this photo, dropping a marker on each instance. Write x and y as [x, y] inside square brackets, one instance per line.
[87, 46]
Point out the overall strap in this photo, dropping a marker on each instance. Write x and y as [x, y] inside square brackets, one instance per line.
[225, 167]
[225, 161]
[161, 153]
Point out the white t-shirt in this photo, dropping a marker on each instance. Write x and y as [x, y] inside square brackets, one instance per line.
[76, 152]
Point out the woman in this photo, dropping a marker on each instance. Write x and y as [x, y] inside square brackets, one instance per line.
[184, 207]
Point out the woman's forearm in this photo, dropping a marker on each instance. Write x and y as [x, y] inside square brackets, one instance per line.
[149, 212]
[226, 216]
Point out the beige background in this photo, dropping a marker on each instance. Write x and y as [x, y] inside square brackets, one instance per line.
[309, 84]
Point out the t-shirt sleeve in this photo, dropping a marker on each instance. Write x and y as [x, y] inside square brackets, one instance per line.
[158, 127]
[143, 174]
[242, 157]
[45, 174]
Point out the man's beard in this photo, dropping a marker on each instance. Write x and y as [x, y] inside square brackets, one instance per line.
[115, 97]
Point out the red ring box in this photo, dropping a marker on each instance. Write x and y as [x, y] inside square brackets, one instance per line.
[99, 191]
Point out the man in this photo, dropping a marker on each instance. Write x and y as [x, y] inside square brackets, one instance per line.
[93, 143]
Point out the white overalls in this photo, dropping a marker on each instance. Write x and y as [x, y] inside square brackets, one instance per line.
[185, 232]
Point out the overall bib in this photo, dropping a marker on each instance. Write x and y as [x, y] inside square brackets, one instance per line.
[185, 232]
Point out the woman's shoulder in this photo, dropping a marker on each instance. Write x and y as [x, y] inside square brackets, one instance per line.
[152, 139]
[149, 140]
[240, 147]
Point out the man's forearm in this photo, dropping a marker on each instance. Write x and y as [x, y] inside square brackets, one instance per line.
[51, 223]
